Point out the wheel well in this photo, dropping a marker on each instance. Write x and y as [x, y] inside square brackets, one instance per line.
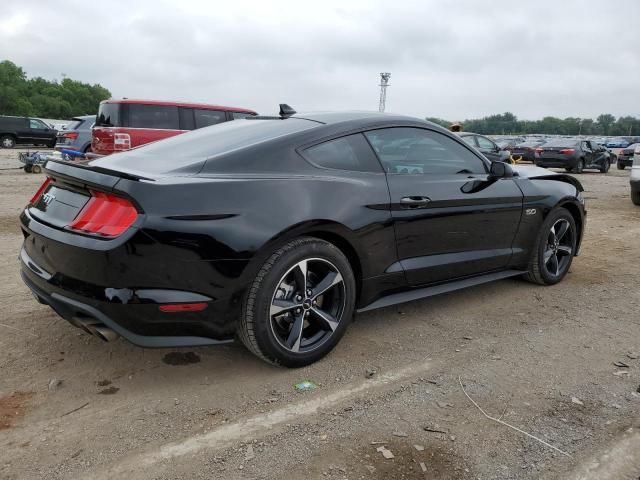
[347, 249]
[575, 213]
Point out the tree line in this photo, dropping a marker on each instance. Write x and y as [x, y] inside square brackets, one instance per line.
[38, 97]
[507, 123]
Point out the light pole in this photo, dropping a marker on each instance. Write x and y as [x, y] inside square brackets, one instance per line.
[384, 83]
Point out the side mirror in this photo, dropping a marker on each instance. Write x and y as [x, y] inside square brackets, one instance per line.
[501, 170]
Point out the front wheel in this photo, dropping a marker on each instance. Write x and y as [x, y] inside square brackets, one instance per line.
[635, 197]
[7, 141]
[554, 249]
[299, 304]
[605, 166]
[620, 165]
[579, 166]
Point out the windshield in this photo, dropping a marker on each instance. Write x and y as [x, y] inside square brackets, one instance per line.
[108, 115]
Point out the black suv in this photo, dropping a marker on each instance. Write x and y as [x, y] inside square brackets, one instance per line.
[24, 130]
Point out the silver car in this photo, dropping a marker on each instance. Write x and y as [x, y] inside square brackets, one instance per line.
[77, 135]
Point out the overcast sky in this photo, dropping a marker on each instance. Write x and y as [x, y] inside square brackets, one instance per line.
[449, 59]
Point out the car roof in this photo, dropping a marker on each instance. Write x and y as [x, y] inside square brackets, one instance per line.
[176, 104]
[339, 117]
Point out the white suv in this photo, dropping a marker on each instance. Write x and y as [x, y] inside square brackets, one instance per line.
[635, 177]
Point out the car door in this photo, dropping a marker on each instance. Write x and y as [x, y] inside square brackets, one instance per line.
[598, 152]
[587, 152]
[451, 218]
[39, 131]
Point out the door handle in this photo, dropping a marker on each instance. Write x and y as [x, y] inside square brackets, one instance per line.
[414, 202]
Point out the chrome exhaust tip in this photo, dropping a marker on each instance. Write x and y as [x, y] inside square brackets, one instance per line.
[103, 333]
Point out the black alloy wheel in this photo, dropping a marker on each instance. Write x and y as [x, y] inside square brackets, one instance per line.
[307, 306]
[558, 248]
[555, 248]
[299, 304]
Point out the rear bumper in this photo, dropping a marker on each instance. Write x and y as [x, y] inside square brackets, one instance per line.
[627, 162]
[556, 162]
[132, 314]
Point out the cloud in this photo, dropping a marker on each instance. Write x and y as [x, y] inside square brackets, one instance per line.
[449, 59]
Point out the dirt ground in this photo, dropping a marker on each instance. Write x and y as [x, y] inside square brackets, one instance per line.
[559, 363]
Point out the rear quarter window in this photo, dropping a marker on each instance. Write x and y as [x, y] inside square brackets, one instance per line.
[351, 153]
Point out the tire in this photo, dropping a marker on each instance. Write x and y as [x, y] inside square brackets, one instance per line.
[605, 166]
[279, 285]
[27, 168]
[51, 144]
[36, 169]
[7, 141]
[541, 271]
[87, 149]
[579, 168]
[635, 197]
[620, 165]
[567, 169]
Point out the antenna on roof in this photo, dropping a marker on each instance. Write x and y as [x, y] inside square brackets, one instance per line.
[286, 110]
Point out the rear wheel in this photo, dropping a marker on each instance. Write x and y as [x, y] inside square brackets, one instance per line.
[635, 197]
[300, 303]
[605, 166]
[579, 166]
[27, 168]
[7, 141]
[36, 169]
[554, 250]
[620, 165]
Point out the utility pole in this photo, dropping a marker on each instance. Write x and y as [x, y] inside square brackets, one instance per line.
[384, 83]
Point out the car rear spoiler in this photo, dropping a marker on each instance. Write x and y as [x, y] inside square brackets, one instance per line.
[84, 173]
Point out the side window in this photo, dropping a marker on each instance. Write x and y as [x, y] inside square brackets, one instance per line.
[470, 140]
[186, 118]
[239, 115]
[153, 116]
[38, 124]
[346, 153]
[486, 144]
[418, 151]
[204, 118]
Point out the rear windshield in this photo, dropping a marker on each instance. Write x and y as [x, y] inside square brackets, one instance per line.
[72, 125]
[202, 144]
[561, 142]
[108, 115]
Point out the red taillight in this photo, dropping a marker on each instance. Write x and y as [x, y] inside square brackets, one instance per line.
[182, 307]
[568, 151]
[40, 191]
[106, 215]
[70, 135]
[539, 150]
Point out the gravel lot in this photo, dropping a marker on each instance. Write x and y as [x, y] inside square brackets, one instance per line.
[541, 359]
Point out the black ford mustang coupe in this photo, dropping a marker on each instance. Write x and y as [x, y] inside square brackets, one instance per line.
[278, 229]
